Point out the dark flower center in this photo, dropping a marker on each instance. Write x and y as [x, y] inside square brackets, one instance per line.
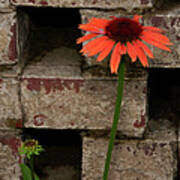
[30, 143]
[123, 29]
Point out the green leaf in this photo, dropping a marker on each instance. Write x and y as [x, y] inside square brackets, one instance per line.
[36, 177]
[26, 172]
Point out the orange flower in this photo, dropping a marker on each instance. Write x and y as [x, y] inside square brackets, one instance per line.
[121, 36]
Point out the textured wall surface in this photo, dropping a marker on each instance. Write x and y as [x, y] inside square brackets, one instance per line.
[46, 84]
[9, 160]
[85, 103]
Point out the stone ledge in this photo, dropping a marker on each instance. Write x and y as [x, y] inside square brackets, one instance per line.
[104, 4]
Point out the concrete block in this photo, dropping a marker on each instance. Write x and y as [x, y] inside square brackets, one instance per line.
[5, 6]
[131, 159]
[55, 94]
[8, 50]
[10, 108]
[170, 23]
[9, 159]
[105, 4]
[154, 157]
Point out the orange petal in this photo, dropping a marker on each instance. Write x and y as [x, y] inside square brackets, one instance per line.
[122, 49]
[115, 59]
[145, 48]
[106, 51]
[86, 37]
[136, 18]
[141, 55]
[155, 43]
[89, 27]
[152, 28]
[157, 37]
[99, 22]
[101, 46]
[91, 44]
[131, 51]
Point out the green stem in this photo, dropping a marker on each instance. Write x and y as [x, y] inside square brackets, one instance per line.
[116, 118]
[31, 163]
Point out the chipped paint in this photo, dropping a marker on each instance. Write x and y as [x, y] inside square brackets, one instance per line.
[43, 2]
[19, 123]
[144, 2]
[12, 54]
[35, 84]
[39, 119]
[141, 123]
[1, 81]
[159, 21]
[13, 143]
[32, 1]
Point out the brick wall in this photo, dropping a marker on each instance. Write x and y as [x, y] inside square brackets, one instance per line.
[47, 87]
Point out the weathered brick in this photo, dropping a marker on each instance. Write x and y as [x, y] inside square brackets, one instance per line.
[56, 95]
[170, 23]
[108, 4]
[131, 159]
[9, 158]
[5, 6]
[8, 51]
[154, 157]
[10, 108]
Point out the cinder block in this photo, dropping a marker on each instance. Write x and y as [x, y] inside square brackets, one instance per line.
[108, 4]
[55, 94]
[10, 108]
[131, 159]
[8, 49]
[9, 158]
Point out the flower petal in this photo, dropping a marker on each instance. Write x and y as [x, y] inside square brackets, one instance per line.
[136, 18]
[123, 49]
[145, 48]
[141, 55]
[106, 51]
[157, 37]
[89, 27]
[152, 28]
[99, 22]
[155, 43]
[86, 37]
[87, 48]
[115, 59]
[99, 47]
[131, 51]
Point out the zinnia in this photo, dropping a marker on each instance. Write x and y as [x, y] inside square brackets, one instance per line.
[121, 36]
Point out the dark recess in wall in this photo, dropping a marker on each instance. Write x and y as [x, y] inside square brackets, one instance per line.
[61, 159]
